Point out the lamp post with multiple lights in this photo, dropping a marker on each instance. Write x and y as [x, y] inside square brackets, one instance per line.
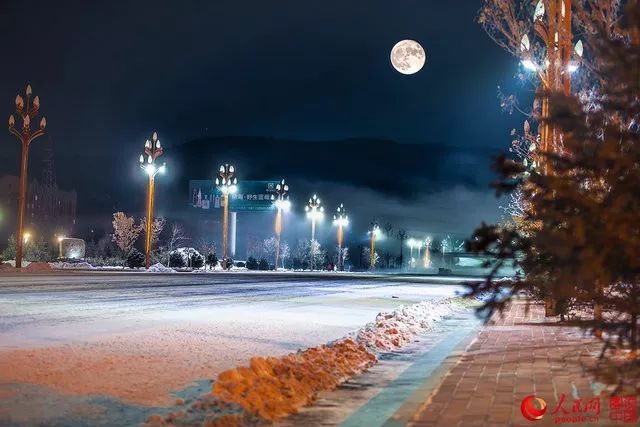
[561, 58]
[552, 24]
[427, 252]
[315, 213]
[27, 111]
[340, 220]
[227, 183]
[414, 244]
[282, 204]
[374, 233]
[152, 150]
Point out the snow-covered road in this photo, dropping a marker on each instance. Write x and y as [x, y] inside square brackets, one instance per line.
[139, 337]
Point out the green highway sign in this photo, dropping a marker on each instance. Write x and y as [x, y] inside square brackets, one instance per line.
[252, 196]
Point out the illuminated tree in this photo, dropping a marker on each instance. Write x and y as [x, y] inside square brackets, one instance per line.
[177, 237]
[125, 231]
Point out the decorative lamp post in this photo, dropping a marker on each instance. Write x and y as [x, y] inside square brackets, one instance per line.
[315, 212]
[340, 220]
[152, 150]
[227, 183]
[427, 252]
[556, 63]
[282, 204]
[374, 233]
[28, 112]
[60, 239]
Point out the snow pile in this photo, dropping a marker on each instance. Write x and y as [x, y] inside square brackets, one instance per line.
[275, 387]
[393, 330]
[72, 265]
[37, 267]
[159, 268]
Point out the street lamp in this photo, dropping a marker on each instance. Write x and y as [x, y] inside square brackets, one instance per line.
[60, 239]
[27, 112]
[374, 233]
[227, 183]
[282, 204]
[25, 237]
[315, 212]
[152, 150]
[561, 57]
[427, 252]
[414, 244]
[340, 220]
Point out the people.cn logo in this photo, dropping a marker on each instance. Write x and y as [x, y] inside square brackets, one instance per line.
[533, 408]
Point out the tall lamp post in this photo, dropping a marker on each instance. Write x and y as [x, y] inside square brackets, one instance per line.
[340, 220]
[427, 252]
[152, 150]
[315, 212]
[282, 204]
[28, 112]
[227, 183]
[552, 24]
[374, 233]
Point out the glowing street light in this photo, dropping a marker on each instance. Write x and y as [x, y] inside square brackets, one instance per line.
[28, 112]
[374, 234]
[60, 239]
[340, 220]
[427, 253]
[25, 238]
[227, 183]
[414, 244]
[315, 213]
[152, 150]
[282, 204]
[561, 57]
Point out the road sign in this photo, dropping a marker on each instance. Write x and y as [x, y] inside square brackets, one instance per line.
[252, 196]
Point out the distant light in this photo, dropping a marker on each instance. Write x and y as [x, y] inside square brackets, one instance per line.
[162, 168]
[285, 205]
[572, 67]
[61, 238]
[529, 65]
[150, 169]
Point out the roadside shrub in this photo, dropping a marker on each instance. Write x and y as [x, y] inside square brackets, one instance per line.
[212, 260]
[263, 265]
[229, 263]
[135, 258]
[252, 263]
[197, 261]
[176, 260]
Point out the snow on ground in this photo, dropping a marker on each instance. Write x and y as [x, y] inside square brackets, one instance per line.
[138, 338]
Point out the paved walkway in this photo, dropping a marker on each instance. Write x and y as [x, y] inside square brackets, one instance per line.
[519, 355]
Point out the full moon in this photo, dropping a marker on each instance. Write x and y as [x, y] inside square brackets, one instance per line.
[408, 57]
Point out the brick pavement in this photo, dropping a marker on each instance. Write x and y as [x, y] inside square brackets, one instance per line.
[517, 355]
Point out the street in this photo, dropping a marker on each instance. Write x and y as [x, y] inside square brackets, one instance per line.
[139, 341]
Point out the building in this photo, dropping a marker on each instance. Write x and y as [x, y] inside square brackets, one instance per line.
[50, 211]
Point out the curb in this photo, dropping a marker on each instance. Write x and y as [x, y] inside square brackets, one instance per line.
[421, 397]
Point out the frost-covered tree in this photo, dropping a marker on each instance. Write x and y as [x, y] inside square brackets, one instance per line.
[125, 231]
[310, 254]
[177, 238]
[156, 228]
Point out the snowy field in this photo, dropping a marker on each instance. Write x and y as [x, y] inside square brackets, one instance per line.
[140, 338]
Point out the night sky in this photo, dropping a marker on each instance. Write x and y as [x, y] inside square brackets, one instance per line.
[108, 73]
